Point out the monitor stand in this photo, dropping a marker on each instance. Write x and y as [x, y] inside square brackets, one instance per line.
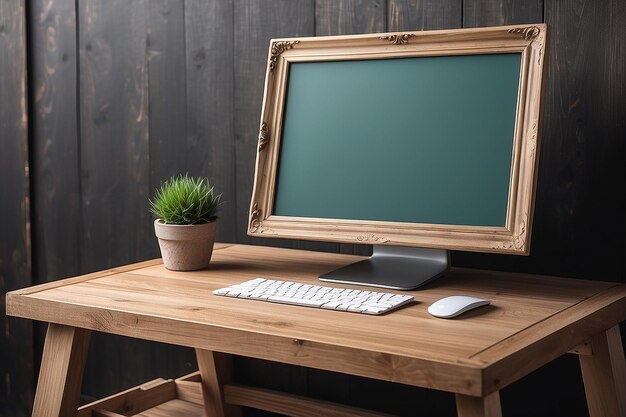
[395, 267]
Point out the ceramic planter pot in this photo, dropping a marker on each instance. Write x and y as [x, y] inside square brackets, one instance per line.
[186, 247]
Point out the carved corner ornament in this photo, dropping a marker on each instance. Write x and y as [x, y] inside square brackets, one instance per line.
[277, 49]
[372, 238]
[255, 218]
[531, 33]
[517, 241]
[398, 39]
[528, 33]
[264, 136]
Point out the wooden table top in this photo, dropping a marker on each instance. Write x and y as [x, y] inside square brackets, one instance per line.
[531, 321]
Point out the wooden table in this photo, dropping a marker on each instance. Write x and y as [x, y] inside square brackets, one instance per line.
[532, 320]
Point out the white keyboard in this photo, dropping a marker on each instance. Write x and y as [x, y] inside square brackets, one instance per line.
[331, 298]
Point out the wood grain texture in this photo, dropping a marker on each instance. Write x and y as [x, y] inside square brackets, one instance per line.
[189, 388]
[209, 66]
[577, 232]
[545, 342]
[174, 408]
[583, 132]
[346, 17]
[134, 400]
[86, 277]
[486, 351]
[115, 121]
[216, 370]
[61, 374]
[55, 145]
[167, 85]
[604, 373]
[55, 184]
[479, 407]
[501, 12]
[157, 398]
[424, 14]
[16, 338]
[114, 132]
[290, 405]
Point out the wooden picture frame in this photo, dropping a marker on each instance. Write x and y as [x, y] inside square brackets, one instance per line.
[514, 237]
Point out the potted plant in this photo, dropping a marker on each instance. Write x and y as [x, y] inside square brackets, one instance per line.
[186, 210]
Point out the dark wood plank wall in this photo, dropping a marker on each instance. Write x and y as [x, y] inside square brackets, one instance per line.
[209, 63]
[16, 336]
[123, 94]
[54, 138]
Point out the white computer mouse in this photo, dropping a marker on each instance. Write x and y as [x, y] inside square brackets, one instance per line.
[454, 305]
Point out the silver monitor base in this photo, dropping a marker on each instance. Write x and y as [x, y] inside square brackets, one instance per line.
[395, 267]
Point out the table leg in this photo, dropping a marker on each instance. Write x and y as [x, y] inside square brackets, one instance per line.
[488, 406]
[604, 375]
[61, 373]
[216, 371]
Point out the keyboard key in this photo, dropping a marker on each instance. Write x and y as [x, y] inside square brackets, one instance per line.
[306, 295]
[295, 301]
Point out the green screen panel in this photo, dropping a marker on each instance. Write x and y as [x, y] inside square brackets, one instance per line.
[419, 140]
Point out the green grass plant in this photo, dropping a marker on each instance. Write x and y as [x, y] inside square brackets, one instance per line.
[185, 200]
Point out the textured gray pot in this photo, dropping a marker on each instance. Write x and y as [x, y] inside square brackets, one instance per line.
[186, 247]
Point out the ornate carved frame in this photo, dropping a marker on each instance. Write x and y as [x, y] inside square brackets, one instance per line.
[529, 40]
